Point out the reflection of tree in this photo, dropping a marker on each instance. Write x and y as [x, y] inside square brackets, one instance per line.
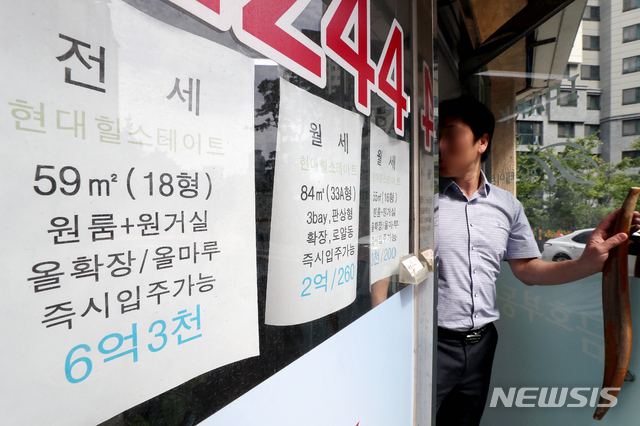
[553, 201]
[271, 162]
[270, 91]
[269, 168]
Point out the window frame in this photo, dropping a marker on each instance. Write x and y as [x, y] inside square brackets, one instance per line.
[590, 47]
[590, 16]
[590, 77]
[535, 125]
[636, 96]
[628, 5]
[632, 154]
[594, 96]
[590, 132]
[564, 126]
[637, 127]
[631, 28]
[565, 101]
[631, 59]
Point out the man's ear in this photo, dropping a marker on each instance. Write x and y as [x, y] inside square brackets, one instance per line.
[484, 143]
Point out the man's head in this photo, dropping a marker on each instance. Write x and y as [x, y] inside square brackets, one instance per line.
[464, 134]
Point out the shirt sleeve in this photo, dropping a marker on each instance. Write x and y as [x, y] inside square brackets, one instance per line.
[521, 244]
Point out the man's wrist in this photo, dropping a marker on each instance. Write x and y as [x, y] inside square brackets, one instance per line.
[586, 267]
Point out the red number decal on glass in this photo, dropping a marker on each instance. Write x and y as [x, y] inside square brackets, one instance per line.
[341, 18]
[266, 26]
[427, 113]
[214, 12]
[390, 76]
[211, 4]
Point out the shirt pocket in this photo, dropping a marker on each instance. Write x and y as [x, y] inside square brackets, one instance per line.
[493, 244]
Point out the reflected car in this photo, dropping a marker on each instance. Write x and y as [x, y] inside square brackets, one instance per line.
[572, 245]
[567, 247]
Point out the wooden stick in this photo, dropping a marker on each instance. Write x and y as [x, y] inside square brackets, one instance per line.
[616, 308]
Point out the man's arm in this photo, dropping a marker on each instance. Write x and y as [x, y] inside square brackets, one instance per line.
[538, 272]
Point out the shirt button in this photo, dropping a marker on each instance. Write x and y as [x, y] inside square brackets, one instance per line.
[474, 271]
[471, 225]
[475, 316]
[476, 294]
[473, 247]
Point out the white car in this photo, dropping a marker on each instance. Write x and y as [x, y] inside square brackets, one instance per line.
[572, 245]
[567, 247]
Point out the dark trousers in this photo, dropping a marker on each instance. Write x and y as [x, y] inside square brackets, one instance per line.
[464, 373]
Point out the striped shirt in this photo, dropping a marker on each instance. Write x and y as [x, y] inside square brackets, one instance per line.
[472, 237]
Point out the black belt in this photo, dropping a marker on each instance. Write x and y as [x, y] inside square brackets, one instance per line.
[471, 336]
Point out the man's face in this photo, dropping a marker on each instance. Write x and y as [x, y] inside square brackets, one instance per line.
[459, 150]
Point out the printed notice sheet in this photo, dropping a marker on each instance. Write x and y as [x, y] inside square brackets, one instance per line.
[127, 210]
[314, 226]
[388, 204]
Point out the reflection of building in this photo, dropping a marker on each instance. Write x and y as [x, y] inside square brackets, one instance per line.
[605, 59]
[620, 63]
[514, 75]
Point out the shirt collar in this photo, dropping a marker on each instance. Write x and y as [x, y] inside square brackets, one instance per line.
[483, 190]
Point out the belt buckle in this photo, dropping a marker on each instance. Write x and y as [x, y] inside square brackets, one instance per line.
[474, 337]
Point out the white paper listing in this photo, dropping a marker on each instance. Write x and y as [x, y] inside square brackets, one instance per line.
[314, 225]
[127, 207]
[388, 204]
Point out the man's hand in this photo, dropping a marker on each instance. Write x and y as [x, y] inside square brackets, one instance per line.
[602, 240]
[538, 272]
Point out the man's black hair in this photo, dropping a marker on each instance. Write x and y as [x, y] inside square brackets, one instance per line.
[473, 113]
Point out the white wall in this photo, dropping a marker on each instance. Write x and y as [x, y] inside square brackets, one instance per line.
[361, 376]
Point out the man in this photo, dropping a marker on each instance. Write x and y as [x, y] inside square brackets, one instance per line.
[478, 225]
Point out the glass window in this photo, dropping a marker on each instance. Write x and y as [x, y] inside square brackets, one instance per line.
[591, 13]
[566, 100]
[630, 127]
[582, 237]
[590, 72]
[570, 189]
[631, 154]
[590, 42]
[216, 269]
[631, 96]
[631, 64]
[591, 129]
[529, 108]
[529, 132]
[631, 33]
[630, 4]
[566, 130]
